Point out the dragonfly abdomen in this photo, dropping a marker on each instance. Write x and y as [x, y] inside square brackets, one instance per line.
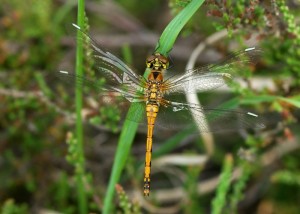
[151, 110]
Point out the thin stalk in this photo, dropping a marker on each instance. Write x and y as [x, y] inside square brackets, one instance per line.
[81, 195]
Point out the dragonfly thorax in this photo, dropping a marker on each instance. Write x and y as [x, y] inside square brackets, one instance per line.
[154, 88]
[157, 62]
[155, 76]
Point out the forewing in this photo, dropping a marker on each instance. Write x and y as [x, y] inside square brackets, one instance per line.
[108, 64]
[113, 80]
[212, 76]
[111, 75]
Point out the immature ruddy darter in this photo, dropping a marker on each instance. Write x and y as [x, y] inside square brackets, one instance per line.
[151, 95]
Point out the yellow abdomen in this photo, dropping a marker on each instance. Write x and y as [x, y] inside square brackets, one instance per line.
[151, 110]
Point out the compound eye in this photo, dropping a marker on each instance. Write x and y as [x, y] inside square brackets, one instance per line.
[150, 59]
[164, 60]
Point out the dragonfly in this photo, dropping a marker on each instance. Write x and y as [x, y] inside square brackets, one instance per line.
[153, 94]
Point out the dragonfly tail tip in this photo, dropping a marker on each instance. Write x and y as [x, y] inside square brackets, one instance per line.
[146, 186]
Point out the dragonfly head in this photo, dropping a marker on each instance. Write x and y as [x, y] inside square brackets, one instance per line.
[157, 62]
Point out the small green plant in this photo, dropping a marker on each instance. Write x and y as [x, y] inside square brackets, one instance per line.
[238, 187]
[80, 166]
[219, 202]
[125, 204]
[10, 207]
[191, 186]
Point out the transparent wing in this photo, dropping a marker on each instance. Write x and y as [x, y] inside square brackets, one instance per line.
[176, 115]
[108, 64]
[112, 77]
[103, 89]
[212, 76]
[129, 101]
[137, 113]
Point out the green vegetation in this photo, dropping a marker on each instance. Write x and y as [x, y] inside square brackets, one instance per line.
[219, 201]
[64, 148]
[79, 161]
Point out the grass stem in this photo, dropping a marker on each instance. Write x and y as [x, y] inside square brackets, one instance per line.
[82, 198]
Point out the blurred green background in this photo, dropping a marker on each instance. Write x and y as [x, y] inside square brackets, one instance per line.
[37, 110]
